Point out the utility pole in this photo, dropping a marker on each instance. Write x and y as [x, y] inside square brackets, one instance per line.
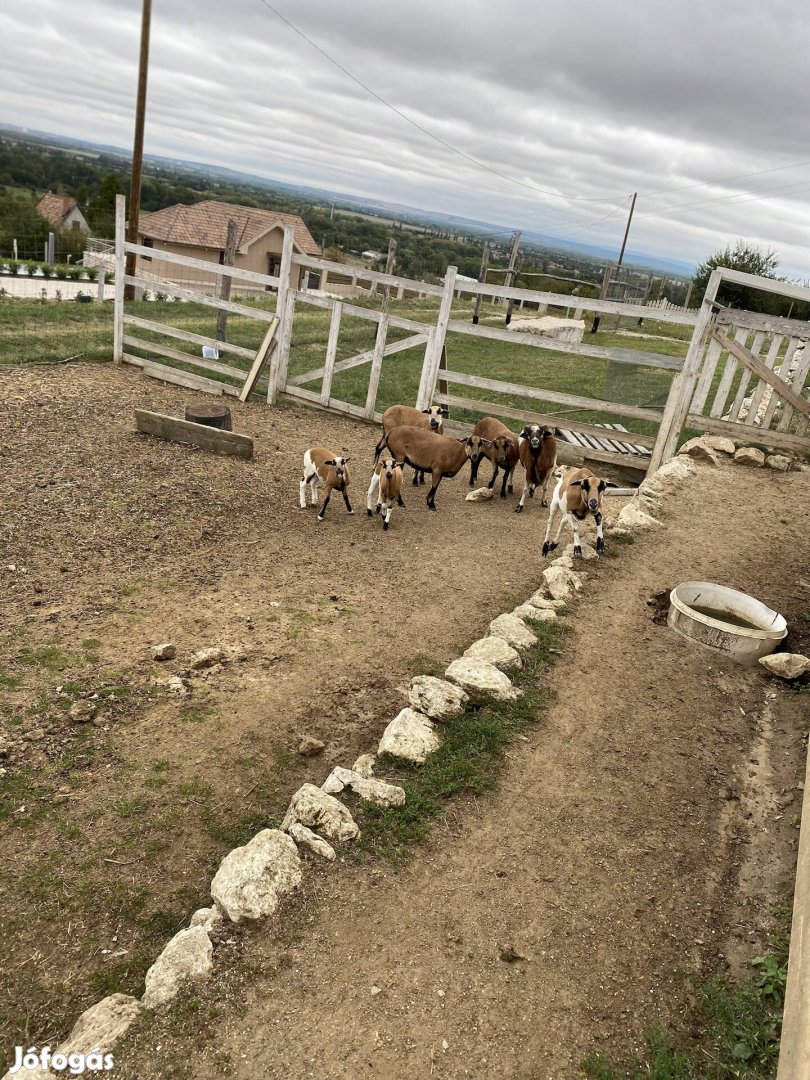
[603, 294]
[482, 277]
[137, 148]
[511, 271]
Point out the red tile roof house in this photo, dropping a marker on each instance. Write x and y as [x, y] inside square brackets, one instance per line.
[62, 212]
[201, 230]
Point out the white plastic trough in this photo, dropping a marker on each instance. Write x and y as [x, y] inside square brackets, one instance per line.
[741, 643]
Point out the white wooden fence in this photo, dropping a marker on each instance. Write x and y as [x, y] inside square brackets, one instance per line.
[781, 422]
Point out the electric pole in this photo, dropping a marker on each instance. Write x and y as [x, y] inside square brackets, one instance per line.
[595, 325]
[137, 148]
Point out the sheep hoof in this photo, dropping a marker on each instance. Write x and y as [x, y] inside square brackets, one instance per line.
[385, 526]
[577, 551]
[370, 513]
[400, 502]
[600, 546]
[350, 512]
[519, 508]
[320, 519]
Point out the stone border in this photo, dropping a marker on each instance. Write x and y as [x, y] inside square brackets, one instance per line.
[253, 880]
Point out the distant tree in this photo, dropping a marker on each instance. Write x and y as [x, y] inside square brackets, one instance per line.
[101, 208]
[20, 221]
[749, 259]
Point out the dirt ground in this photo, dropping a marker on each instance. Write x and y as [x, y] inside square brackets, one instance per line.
[644, 835]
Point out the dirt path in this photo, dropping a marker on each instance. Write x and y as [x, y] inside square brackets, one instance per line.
[640, 835]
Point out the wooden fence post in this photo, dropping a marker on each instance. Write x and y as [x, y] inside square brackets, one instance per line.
[376, 367]
[683, 385]
[331, 351]
[225, 281]
[120, 269]
[433, 354]
[482, 277]
[275, 382]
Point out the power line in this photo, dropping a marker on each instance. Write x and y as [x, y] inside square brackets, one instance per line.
[722, 180]
[425, 131]
[733, 200]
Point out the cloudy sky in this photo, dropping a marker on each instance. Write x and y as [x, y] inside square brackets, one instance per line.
[680, 100]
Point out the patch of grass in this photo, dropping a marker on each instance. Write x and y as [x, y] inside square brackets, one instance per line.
[420, 664]
[127, 808]
[622, 538]
[468, 761]
[131, 587]
[741, 1027]
[91, 644]
[50, 657]
[194, 714]
[9, 682]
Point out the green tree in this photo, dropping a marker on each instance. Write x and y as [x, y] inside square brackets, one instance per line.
[749, 259]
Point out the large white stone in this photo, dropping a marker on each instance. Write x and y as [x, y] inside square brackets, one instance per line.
[677, 468]
[436, 698]
[252, 880]
[588, 552]
[96, 1031]
[305, 837]
[364, 766]
[186, 958]
[538, 614]
[719, 443]
[375, 791]
[209, 918]
[561, 582]
[205, 658]
[481, 681]
[786, 665]
[633, 517]
[494, 650]
[570, 330]
[513, 630]
[410, 736]
[699, 450]
[778, 462]
[482, 494]
[542, 600]
[317, 810]
[749, 455]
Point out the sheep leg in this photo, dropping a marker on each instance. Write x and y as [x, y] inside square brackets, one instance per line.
[325, 504]
[371, 496]
[474, 463]
[503, 483]
[495, 472]
[575, 529]
[303, 489]
[387, 514]
[544, 489]
[346, 500]
[511, 487]
[528, 489]
[600, 536]
[313, 489]
[431, 497]
[547, 545]
[400, 500]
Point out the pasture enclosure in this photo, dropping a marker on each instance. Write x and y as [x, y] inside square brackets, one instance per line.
[742, 374]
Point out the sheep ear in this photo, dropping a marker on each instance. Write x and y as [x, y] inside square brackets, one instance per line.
[575, 483]
[524, 433]
[444, 412]
[425, 410]
[486, 442]
[609, 483]
[346, 459]
[331, 461]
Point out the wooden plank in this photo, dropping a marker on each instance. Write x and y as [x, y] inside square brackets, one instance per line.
[186, 335]
[745, 377]
[639, 311]
[259, 361]
[497, 386]
[769, 324]
[282, 353]
[200, 298]
[374, 276]
[759, 389]
[797, 384]
[719, 403]
[180, 378]
[485, 407]
[783, 367]
[598, 352]
[433, 352]
[359, 359]
[370, 314]
[184, 358]
[770, 285]
[764, 372]
[216, 269]
[335, 404]
[706, 376]
[376, 367]
[184, 431]
[633, 446]
[331, 352]
[776, 440]
[120, 271]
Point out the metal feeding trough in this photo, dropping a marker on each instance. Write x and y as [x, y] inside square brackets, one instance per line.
[725, 620]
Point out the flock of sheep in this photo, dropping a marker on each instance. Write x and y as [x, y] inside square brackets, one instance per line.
[415, 438]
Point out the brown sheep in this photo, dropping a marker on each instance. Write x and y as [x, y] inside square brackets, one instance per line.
[577, 494]
[502, 451]
[321, 464]
[538, 456]
[385, 487]
[405, 416]
[437, 454]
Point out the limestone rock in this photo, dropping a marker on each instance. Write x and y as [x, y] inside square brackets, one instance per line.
[513, 631]
[436, 698]
[672, 471]
[186, 958]
[251, 880]
[560, 582]
[305, 837]
[82, 711]
[720, 443]
[564, 560]
[482, 494]
[588, 552]
[494, 650]
[749, 455]
[364, 766]
[540, 600]
[410, 736]
[481, 681]
[206, 658]
[209, 918]
[370, 789]
[699, 450]
[175, 685]
[317, 810]
[786, 665]
[778, 462]
[166, 651]
[309, 746]
[537, 614]
[633, 517]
